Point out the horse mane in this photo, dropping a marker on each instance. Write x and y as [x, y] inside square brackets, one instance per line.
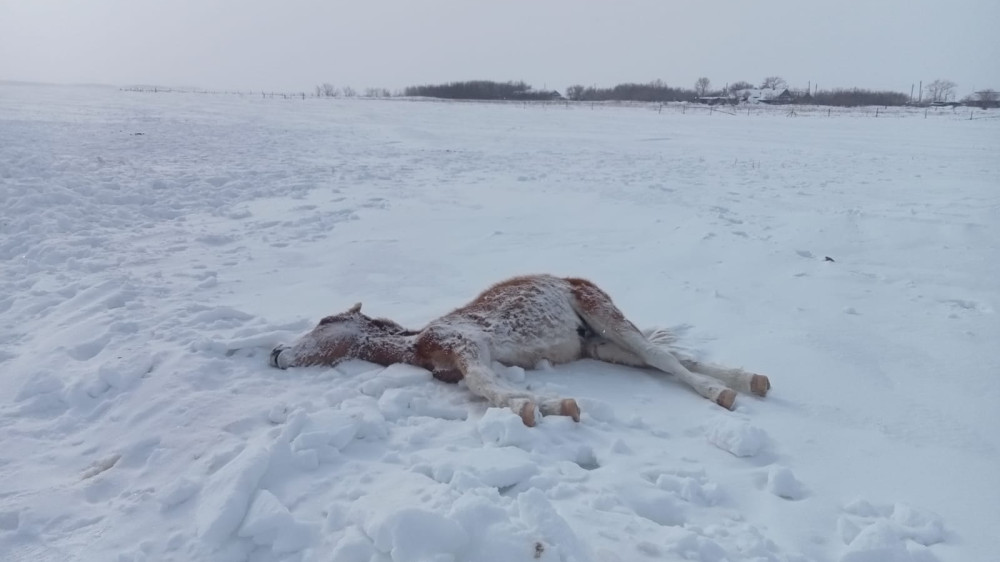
[392, 327]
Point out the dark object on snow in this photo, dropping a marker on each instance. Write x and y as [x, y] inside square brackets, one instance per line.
[827, 258]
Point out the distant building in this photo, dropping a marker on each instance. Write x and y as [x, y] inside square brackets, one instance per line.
[765, 95]
[715, 100]
[531, 94]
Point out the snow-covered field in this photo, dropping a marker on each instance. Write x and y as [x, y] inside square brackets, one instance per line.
[153, 247]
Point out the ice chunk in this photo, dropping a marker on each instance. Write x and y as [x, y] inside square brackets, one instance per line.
[268, 522]
[921, 526]
[226, 495]
[878, 542]
[353, 547]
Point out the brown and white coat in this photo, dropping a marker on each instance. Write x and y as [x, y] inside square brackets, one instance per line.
[520, 321]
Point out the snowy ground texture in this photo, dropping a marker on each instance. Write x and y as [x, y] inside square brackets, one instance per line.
[154, 246]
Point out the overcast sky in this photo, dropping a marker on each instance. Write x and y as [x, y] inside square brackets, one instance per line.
[295, 44]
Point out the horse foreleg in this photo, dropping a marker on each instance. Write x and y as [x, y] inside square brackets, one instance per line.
[482, 381]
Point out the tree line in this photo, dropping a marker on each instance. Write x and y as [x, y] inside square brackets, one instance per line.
[938, 91]
[480, 90]
[655, 91]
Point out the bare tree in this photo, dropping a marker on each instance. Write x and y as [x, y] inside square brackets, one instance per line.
[349, 92]
[940, 90]
[739, 86]
[702, 85]
[773, 82]
[329, 90]
[575, 92]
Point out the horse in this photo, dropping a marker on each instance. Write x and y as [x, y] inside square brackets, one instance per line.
[517, 322]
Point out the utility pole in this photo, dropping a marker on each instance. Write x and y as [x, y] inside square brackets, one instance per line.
[920, 94]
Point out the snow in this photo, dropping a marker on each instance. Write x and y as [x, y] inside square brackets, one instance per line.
[781, 481]
[145, 278]
[737, 437]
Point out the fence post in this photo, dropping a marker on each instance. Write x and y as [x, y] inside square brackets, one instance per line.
[876, 112]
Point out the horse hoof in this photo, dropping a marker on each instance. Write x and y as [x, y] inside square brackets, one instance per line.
[527, 413]
[726, 399]
[759, 385]
[569, 407]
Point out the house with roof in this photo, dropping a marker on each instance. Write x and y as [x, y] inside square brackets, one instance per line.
[765, 95]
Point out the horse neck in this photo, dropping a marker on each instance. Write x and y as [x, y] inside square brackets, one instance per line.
[386, 349]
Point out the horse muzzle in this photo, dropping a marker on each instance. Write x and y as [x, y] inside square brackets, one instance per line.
[274, 359]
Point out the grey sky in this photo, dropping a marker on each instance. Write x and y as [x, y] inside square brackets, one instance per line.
[295, 44]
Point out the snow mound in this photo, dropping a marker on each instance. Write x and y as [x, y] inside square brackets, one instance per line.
[782, 483]
[397, 403]
[691, 486]
[496, 467]
[737, 437]
[502, 427]
[418, 535]
[881, 542]
[654, 504]
[898, 532]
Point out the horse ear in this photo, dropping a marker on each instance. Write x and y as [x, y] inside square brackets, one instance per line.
[355, 308]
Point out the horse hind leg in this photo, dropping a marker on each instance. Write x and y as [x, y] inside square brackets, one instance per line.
[604, 349]
[734, 378]
[607, 321]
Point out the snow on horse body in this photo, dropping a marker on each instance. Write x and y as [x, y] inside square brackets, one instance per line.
[517, 322]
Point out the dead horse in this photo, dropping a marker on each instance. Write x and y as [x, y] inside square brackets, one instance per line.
[520, 321]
